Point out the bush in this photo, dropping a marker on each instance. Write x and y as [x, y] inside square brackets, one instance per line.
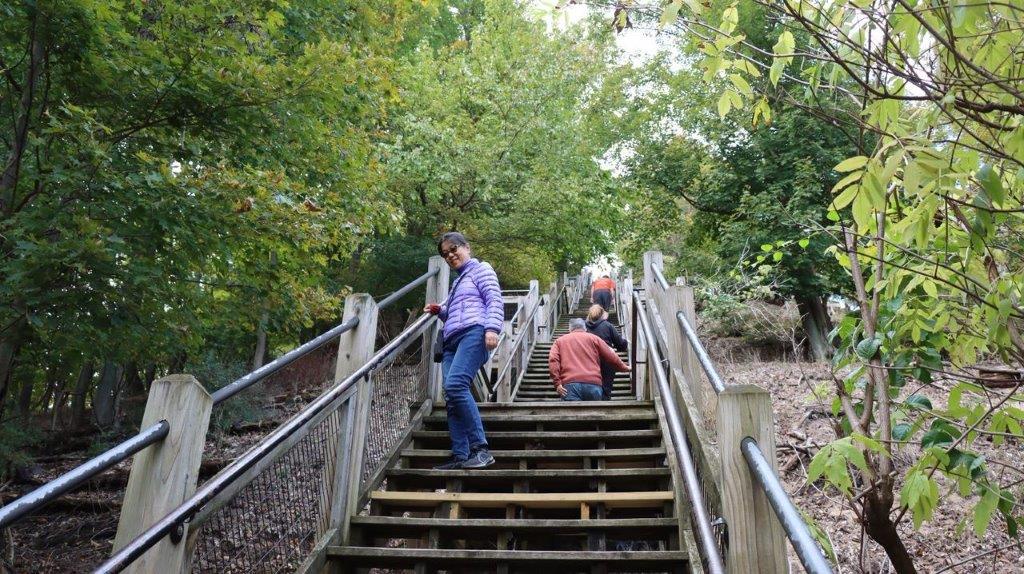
[215, 373]
[15, 438]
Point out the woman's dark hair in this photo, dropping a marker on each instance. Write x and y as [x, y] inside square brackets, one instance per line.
[454, 237]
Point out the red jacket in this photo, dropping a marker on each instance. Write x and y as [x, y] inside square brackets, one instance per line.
[603, 283]
[576, 358]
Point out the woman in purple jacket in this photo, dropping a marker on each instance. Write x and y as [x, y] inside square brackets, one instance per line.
[473, 316]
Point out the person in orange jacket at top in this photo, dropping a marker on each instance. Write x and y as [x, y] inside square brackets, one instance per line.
[601, 292]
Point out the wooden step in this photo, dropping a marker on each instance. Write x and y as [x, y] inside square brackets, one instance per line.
[393, 526]
[518, 560]
[553, 480]
[632, 499]
[490, 408]
[599, 416]
[605, 453]
[602, 420]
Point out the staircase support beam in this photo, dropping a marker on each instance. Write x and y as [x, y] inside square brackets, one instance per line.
[757, 542]
[354, 349]
[436, 292]
[164, 475]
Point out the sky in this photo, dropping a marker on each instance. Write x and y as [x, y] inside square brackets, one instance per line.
[637, 45]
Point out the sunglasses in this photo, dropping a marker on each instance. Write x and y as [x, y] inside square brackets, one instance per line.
[450, 251]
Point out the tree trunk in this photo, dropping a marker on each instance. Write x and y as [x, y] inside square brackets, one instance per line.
[261, 342]
[19, 141]
[815, 323]
[25, 397]
[8, 354]
[881, 529]
[150, 376]
[81, 391]
[104, 402]
[132, 381]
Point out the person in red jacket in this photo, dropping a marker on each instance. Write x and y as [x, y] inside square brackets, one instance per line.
[575, 363]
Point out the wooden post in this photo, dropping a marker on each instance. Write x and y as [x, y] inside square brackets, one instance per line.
[504, 383]
[354, 349]
[757, 543]
[437, 291]
[544, 326]
[680, 353]
[165, 474]
[532, 302]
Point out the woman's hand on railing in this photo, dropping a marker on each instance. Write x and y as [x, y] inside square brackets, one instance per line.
[432, 308]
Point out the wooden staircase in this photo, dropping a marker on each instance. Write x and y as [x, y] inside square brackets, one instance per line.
[576, 487]
[537, 386]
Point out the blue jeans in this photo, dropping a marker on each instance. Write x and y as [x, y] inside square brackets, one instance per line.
[464, 353]
[582, 392]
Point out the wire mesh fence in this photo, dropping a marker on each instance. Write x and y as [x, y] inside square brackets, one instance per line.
[397, 385]
[272, 523]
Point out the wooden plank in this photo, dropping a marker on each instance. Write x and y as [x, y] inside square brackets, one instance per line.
[165, 474]
[436, 291]
[533, 473]
[355, 347]
[487, 417]
[570, 406]
[539, 435]
[395, 524]
[317, 559]
[757, 542]
[645, 499]
[547, 453]
[390, 556]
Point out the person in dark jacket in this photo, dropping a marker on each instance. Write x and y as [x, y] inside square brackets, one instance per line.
[598, 324]
[473, 315]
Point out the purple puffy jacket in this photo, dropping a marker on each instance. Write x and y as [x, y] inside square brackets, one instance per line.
[475, 301]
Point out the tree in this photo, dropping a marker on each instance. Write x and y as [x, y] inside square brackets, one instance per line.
[499, 133]
[927, 222]
[158, 157]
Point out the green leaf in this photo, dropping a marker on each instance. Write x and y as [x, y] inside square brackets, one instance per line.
[919, 401]
[992, 184]
[671, 13]
[741, 84]
[803, 243]
[724, 104]
[901, 431]
[920, 494]
[983, 511]
[777, 256]
[775, 72]
[784, 46]
[851, 163]
[867, 348]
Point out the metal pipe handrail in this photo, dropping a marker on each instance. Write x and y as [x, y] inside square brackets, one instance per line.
[387, 301]
[799, 535]
[227, 391]
[70, 480]
[691, 481]
[135, 548]
[702, 354]
[47, 493]
[807, 549]
[516, 343]
[691, 336]
[660, 277]
[246, 381]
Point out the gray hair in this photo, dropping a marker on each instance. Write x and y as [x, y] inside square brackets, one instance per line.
[454, 237]
[577, 324]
